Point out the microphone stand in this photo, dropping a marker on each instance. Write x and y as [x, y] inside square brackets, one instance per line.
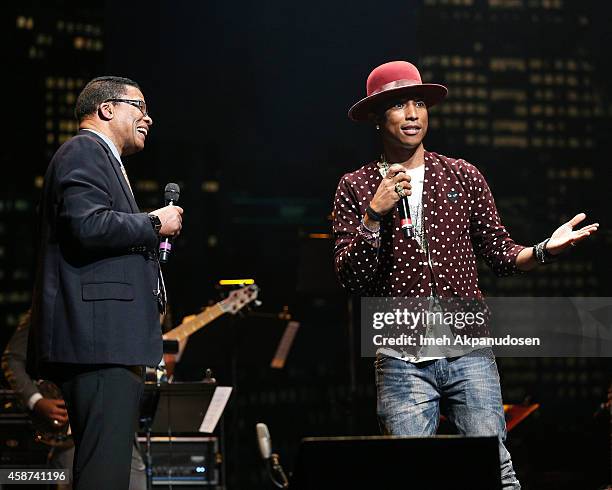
[275, 469]
[149, 457]
[147, 421]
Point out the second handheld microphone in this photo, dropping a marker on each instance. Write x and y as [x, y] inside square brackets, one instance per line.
[172, 192]
[405, 219]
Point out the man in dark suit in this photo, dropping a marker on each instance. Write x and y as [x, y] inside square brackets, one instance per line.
[52, 410]
[99, 289]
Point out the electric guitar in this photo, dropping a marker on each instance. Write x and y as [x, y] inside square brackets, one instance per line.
[236, 300]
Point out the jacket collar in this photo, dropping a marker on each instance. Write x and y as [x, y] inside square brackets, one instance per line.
[116, 164]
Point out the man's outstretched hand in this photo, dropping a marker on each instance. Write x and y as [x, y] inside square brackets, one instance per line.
[565, 236]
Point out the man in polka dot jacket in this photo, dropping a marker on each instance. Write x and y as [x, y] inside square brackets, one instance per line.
[455, 218]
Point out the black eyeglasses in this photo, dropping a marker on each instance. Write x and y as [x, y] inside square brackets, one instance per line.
[140, 104]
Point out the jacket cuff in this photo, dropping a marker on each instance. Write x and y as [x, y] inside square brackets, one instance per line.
[33, 400]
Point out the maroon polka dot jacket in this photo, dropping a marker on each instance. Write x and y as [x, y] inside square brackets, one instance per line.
[460, 221]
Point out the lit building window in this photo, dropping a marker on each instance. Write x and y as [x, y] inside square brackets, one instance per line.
[147, 185]
[25, 22]
[213, 185]
[508, 94]
[506, 4]
[510, 141]
[507, 64]
[535, 64]
[513, 126]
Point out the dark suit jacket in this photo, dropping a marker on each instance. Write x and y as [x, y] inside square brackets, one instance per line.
[94, 300]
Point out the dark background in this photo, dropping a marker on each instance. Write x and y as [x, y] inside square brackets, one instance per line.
[250, 99]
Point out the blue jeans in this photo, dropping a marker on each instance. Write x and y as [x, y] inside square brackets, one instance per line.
[408, 399]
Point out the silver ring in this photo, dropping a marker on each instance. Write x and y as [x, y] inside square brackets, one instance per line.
[402, 193]
[399, 188]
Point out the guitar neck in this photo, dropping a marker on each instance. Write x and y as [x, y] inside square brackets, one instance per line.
[191, 326]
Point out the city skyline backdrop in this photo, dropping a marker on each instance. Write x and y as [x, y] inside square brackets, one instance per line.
[249, 111]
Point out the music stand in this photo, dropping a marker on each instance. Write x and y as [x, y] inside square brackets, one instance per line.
[177, 407]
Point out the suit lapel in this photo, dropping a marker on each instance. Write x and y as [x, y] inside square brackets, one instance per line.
[116, 165]
[124, 185]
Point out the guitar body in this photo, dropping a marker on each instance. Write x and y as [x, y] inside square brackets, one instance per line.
[46, 432]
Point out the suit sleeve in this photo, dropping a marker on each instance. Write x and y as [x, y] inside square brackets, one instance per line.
[86, 202]
[14, 362]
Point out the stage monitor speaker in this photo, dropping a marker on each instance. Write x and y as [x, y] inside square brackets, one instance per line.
[442, 462]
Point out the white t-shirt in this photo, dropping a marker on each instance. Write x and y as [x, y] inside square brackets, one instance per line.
[415, 199]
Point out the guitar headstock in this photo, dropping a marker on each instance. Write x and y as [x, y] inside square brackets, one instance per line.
[239, 298]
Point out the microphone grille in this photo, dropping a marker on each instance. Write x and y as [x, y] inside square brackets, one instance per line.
[263, 438]
[172, 192]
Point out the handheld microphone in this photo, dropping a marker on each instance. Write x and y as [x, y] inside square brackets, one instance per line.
[172, 193]
[405, 219]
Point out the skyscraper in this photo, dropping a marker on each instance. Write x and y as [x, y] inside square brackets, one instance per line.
[52, 49]
[526, 106]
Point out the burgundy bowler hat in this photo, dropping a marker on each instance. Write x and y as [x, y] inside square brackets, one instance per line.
[392, 80]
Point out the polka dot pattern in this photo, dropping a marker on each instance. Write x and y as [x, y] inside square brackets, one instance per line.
[460, 220]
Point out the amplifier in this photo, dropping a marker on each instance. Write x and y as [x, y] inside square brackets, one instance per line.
[187, 461]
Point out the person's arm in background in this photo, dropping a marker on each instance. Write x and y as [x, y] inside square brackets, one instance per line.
[14, 368]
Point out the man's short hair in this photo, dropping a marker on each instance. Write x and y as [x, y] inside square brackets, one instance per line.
[99, 90]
